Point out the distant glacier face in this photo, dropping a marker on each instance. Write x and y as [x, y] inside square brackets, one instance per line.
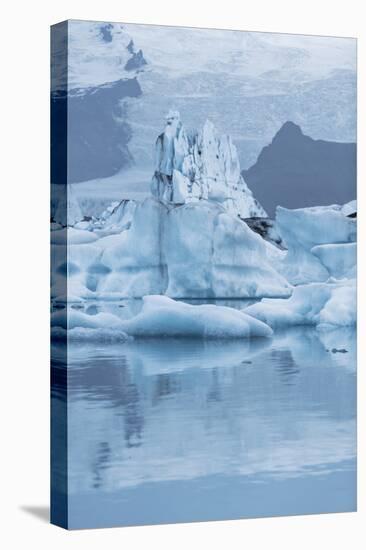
[248, 84]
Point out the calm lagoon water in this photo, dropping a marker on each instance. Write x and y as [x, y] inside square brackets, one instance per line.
[185, 430]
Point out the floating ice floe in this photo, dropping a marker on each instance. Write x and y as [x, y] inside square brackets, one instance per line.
[77, 325]
[163, 317]
[325, 305]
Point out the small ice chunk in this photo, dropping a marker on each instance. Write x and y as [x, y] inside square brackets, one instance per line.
[77, 325]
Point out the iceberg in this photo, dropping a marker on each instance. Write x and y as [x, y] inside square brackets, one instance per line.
[131, 263]
[266, 228]
[201, 234]
[325, 305]
[210, 253]
[304, 230]
[195, 250]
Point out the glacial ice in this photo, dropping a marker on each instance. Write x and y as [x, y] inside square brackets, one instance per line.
[200, 250]
[66, 208]
[350, 208]
[161, 316]
[339, 259]
[72, 236]
[325, 305]
[199, 166]
[195, 250]
[79, 326]
[304, 230]
[210, 253]
[118, 217]
[193, 239]
[111, 58]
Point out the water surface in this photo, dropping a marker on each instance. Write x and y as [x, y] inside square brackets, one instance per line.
[186, 430]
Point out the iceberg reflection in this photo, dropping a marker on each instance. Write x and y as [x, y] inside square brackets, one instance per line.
[157, 411]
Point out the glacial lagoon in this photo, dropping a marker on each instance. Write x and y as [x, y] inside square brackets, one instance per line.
[178, 430]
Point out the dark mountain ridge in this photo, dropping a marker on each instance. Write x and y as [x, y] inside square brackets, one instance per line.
[297, 171]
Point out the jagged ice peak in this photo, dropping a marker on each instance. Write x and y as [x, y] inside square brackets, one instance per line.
[200, 166]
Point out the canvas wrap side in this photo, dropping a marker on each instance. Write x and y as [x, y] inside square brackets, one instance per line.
[58, 105]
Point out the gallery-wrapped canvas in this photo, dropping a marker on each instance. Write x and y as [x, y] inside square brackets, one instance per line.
[203, 278]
